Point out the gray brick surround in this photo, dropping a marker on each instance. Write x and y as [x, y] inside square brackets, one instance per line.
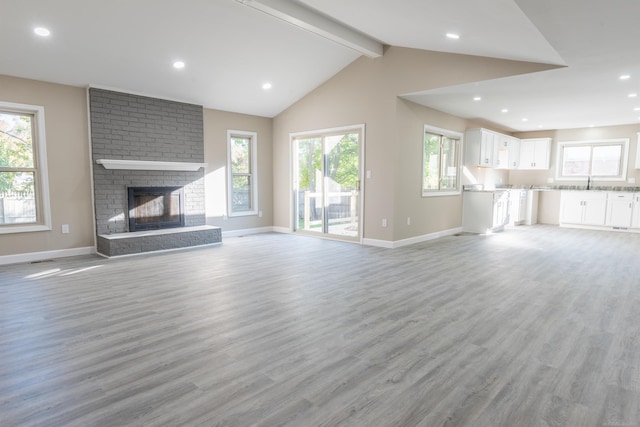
[133, 127]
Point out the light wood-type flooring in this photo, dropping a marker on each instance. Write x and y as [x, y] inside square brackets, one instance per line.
[535, 326]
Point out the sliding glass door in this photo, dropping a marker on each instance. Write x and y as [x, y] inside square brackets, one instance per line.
[327, 184]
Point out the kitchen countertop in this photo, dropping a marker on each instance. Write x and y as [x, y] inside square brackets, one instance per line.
[560, 187]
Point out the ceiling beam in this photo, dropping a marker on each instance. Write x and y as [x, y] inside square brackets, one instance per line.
[308, 19]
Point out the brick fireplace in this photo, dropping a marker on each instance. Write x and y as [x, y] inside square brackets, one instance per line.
[142, 142]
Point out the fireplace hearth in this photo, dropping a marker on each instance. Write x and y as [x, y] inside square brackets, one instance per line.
[154, 208]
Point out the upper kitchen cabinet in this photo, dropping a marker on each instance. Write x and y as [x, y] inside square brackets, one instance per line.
[535, 153]
[481, 148]
[508, 152]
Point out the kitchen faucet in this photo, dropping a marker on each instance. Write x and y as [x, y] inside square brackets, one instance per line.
[588, 182]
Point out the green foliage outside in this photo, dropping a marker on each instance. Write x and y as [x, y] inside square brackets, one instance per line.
[440, 163]
[240, 171]
[431, 172]
[16, 152]
[341, 162]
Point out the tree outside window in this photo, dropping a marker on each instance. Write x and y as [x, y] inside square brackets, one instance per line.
[242, 173]
[440, 168]
[17, 168]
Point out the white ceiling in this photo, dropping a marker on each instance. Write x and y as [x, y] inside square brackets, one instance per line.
[231, 49]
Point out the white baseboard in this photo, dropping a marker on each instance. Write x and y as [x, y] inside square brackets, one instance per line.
[426, 237]
[378, 243]
[246, 231]
[40, 256]
[281, 230]
[601, 228]
[412, 240]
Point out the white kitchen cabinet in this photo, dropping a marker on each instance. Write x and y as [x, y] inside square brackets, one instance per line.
[517, 206]
[619, 209]
[635, 216]
[484, 211]
[531, 216]
[583, 208]
[508, 152]
[638, 151]
[535, 153]
[481, 147]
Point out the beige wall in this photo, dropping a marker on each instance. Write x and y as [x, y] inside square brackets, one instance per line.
[67, 146]
[428, 214]
[216, 124]
[366, 92]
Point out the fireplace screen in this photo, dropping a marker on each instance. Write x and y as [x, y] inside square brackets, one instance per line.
[152, 208]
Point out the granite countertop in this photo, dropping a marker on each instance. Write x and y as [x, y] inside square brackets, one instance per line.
[557, 187]
[578, 188]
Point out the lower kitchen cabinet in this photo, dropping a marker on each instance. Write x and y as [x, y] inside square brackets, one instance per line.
[635, 217]
[518, 206]
[583, 208]
[619, 209]
[485, 211]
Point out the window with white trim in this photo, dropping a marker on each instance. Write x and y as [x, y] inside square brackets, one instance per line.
[440, 162]
[242, 166]
[24, 195]
[604, 160]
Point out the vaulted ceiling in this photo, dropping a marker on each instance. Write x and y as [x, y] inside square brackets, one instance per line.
[230, 48]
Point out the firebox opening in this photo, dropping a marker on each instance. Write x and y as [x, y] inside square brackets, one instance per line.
[153, 208]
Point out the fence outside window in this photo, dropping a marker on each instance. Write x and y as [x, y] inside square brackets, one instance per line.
[17, 207]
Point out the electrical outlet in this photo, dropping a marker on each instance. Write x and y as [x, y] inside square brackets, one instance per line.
[631, 180]
[384, 222]
[65, 228]
[408, 220]
[369, 174]
[549, 180]
[260, 214]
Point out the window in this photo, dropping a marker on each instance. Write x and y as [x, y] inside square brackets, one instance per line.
[604, 160]
[440, 162]
[24, 196]
[243, 192]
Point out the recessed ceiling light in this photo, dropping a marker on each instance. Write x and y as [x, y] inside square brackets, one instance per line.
[266, 86]
[524, 119]
[178, 65]
[540, 126]
[42, 32]
[625, 77]
[636, 109]
[632, 95]
[504, 110]
[592, 125]
[453, 36]
[477, 98]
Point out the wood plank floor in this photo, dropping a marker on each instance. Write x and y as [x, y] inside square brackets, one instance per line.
[535, 326]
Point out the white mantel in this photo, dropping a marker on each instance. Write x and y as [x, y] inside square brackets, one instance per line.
[149, 165]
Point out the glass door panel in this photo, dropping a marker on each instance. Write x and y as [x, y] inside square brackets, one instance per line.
[342, 184]
[309, 203]
[327, 184]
